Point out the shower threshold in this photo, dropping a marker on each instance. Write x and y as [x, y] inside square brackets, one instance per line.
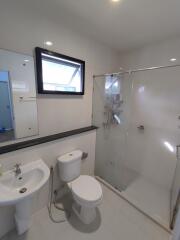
[126, 195]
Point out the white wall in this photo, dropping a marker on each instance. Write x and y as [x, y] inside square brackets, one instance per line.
[155, 103]
[156, 54]
[22, 30]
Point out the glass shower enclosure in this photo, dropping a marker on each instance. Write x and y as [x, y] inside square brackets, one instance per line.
[138, 120]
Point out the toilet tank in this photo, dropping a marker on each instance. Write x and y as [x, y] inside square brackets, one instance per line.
[69, 165]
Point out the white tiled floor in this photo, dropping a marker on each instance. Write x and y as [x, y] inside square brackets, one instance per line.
[151, 198]
[116, 220]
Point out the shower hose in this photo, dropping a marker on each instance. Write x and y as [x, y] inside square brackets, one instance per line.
[54, 203]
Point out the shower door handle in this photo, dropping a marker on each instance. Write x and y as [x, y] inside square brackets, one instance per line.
[177, 151]
[141, 127]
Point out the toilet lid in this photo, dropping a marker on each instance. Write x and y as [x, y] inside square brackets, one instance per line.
[87, 188]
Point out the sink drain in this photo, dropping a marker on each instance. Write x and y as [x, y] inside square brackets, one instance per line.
[22, 190]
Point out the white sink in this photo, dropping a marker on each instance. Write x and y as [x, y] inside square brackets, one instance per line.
[33, 176]
[18, 190]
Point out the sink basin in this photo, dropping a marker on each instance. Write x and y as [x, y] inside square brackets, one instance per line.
[18, 191]
[13, 189]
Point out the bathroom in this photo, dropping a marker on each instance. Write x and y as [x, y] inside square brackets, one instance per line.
[123, 123]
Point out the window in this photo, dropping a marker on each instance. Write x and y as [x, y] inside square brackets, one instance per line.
[59, 74]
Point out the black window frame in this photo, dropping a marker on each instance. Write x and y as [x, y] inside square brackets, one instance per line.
[39, 73]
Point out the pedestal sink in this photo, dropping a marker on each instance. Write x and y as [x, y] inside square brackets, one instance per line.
[18, 191]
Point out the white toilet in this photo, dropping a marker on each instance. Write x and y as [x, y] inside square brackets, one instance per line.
[86, 190]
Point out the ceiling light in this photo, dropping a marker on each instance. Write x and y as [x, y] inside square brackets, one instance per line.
[173, 59]
[26, 60]
[115, 0]
[48, 43]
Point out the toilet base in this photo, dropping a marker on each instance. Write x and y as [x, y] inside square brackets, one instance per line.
[85, 214]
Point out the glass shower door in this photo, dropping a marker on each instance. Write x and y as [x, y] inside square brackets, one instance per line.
[153, 133]
[175, 191]
[110, 114]
[139, 128]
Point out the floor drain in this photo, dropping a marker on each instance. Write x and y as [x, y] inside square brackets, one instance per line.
[22, 190]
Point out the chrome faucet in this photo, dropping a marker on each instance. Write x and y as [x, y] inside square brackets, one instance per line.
[17, 169]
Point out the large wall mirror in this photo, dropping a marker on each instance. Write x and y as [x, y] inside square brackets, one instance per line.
[18, 107]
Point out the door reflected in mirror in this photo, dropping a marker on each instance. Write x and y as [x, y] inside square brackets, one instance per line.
[18, 106]
[6, 110]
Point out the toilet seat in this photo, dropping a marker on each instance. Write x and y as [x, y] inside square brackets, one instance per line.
[87, 191]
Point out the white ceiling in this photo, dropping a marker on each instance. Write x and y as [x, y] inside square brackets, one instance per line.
[124, 25]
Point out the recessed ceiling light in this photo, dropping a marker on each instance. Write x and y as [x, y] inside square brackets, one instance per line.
[26, 60]
[48, 43]
[173, 59]
[115, 0]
